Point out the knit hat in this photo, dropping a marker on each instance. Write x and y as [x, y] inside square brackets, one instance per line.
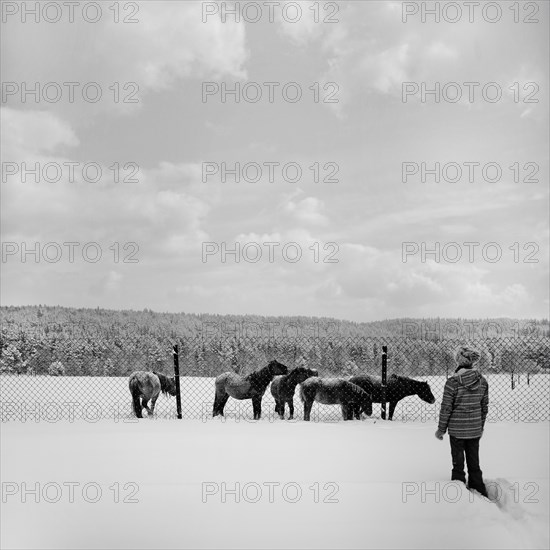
[466, 357]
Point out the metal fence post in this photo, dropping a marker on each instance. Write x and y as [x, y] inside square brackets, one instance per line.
[177, 378]
[384, 379]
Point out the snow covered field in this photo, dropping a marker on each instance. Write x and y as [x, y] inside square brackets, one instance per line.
[358, 484]
[88, 475]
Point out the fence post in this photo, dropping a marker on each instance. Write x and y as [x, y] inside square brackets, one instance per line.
[384, 377]
[177, 377]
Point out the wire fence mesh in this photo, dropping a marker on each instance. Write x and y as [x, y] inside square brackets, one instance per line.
[69, 379]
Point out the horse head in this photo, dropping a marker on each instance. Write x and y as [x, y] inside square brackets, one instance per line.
[172, 386]
[167, 385]
[302, 373]
[366, 404]
[425, 393]
[276, 368]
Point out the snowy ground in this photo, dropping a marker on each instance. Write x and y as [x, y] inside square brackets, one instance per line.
[359, 484]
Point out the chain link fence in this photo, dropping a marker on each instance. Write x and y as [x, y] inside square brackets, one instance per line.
[86, 379]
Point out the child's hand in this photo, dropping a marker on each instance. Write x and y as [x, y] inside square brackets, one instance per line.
[439, 435]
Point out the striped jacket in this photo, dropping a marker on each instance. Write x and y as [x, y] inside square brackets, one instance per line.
[465, 404]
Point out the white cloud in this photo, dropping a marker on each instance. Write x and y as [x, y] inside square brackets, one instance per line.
[386, 70]
[301, 26]
[37, 131]
[113, 280]
[172, 43]
[163, 212]
[442, 51]
[308, 211]
[168, 45]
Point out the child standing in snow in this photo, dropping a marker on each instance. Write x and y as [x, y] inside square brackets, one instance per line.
[463, 412]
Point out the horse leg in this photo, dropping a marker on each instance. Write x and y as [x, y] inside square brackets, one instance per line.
[257, 407]
[220, 399]
[153, 402]
[144, 402]
[307, 409]
[219, 403]
[280, 408]
[291, 408]
[216, 405]
[136, 403]
[345, 411]
[393, 404]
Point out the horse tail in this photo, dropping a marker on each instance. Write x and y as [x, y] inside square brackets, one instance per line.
[136, 394]
[163, 381]
[308, 390]
[220, 395]
[365, 401]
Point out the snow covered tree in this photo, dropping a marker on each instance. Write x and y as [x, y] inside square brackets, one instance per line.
[56, 369]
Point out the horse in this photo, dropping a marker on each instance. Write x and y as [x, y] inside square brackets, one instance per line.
[148, 385]
[283, 388]
[252, 386]
[397, 388]
[335, 391]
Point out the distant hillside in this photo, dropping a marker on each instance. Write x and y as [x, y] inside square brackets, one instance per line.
[76, 322]
[98, 342]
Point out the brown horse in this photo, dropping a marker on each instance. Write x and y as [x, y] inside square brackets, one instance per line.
[397, 388]
[252, 386]
[283, 388]
[148, 385]
[335, 391]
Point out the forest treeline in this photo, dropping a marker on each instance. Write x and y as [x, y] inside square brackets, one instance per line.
[100, 342]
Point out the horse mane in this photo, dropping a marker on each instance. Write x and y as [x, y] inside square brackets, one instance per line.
[291, 376]
[404, 378]
[412, 382]
[261, 377]
[394, 377]
[164, 381]
[358, 390]
[259, 374]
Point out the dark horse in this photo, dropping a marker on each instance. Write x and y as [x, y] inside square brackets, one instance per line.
[148, 385]
[397, 388]
[283, 387]
[335, 391]
[252, 386]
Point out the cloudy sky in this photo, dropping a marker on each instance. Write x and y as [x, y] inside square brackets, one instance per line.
[163, 227]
